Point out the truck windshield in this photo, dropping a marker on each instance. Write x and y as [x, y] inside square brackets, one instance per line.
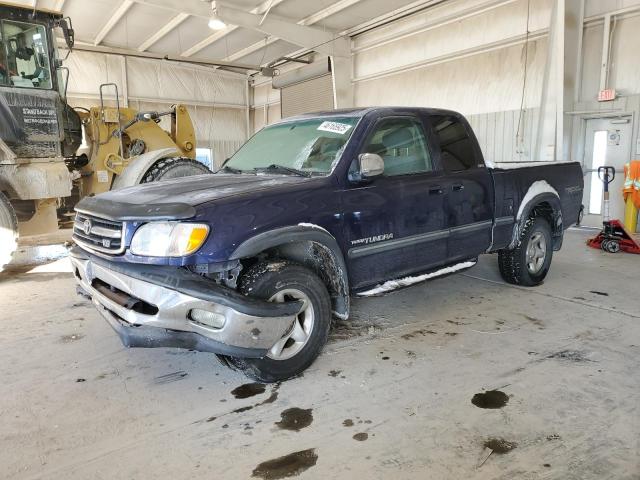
[311, 146]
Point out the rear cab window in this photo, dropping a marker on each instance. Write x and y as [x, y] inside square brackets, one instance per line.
[458, 150]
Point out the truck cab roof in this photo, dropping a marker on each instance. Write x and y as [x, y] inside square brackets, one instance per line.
[361, 112]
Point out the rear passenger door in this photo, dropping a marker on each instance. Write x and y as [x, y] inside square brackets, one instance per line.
[468, 185]
[396, 224]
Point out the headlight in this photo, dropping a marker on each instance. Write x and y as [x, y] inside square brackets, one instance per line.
[168, 239]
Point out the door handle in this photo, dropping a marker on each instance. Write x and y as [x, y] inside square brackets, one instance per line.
[437, 190]
[457, 187]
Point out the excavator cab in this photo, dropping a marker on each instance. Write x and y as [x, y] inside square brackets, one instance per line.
[36, 123]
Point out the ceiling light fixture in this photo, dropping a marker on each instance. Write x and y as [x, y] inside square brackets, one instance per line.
[215, 22]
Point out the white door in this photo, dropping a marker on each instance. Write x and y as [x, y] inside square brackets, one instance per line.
[607, 142]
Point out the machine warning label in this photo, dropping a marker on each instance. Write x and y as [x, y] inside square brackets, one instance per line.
[103, 176]
[29, 122]
[39, 116]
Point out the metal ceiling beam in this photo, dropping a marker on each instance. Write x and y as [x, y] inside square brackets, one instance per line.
[327, 12]
[193, 8]
[328, 43]
[80, 46]
[310, 20]
[173, 23]
[124, 6]
[209, 40]
[259, 10]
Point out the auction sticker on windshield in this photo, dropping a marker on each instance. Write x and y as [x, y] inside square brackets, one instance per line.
[334, 127]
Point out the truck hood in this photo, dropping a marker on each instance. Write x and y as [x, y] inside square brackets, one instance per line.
[176, 199]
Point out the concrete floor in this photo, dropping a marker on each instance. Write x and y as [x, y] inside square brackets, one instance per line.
[390, 397]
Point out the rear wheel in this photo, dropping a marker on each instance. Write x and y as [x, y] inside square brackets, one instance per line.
[281, 281]
[529, 262]
[8, 231]
[173, 168]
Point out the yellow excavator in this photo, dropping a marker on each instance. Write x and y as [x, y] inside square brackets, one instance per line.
[45, 167]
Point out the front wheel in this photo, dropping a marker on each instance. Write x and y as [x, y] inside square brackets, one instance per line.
[529, 262]
[280, 281]
[168, 168]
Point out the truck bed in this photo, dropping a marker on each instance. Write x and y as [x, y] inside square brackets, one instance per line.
[514, 184]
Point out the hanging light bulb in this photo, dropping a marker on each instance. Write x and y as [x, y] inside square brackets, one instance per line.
[215, 22]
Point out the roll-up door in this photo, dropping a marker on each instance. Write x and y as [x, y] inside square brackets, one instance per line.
[309, 96]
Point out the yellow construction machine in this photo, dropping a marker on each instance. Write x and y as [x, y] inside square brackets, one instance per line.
[44, 162]
[128, 147]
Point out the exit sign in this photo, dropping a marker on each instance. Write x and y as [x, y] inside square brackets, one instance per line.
[606, 95]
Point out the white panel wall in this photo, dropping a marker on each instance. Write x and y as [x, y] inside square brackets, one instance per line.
[465, 55]
[625, 54]
[482, 83]
[469, 55]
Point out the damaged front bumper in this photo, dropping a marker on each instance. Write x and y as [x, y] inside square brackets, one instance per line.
[152, 306]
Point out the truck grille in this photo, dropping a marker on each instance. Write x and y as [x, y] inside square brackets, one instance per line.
[98, 234]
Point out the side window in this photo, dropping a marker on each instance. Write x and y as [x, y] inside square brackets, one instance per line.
[456, 147]
[401, 143]
[24, 61]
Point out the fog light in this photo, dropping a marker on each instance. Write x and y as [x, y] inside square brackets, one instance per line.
[206, 318]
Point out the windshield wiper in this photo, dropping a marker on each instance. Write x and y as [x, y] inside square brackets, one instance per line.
[230, 170]
[281, 168]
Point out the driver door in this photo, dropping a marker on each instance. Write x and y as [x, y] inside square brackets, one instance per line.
[395, 225]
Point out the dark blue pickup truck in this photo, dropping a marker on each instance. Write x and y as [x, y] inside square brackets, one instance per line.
[252, 263]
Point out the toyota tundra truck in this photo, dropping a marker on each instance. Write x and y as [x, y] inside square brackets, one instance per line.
[254, 262]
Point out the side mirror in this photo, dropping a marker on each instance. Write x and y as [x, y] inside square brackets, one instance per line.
[371, 165]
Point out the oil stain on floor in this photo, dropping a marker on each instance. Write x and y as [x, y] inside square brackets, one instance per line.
[286, 466]
[490, 399]
[295, 419]
[361, 437]
[572, 355]
[248, 390]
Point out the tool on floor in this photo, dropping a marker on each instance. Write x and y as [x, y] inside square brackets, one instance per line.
[613, 237]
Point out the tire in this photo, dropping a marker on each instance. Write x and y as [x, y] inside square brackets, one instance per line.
[274, 281]
[529, 262]
[611, 246]
[8, 231]
[168, 168]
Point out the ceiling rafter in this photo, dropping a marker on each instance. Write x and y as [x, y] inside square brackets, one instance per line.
[310, 20]
[172, 24]
[259, 10]
[124, 6]
[321, 40]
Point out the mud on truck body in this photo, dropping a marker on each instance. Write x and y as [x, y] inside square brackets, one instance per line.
[253, 262]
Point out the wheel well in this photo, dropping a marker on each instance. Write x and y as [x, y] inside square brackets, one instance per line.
[552, 215]
[321, 260]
